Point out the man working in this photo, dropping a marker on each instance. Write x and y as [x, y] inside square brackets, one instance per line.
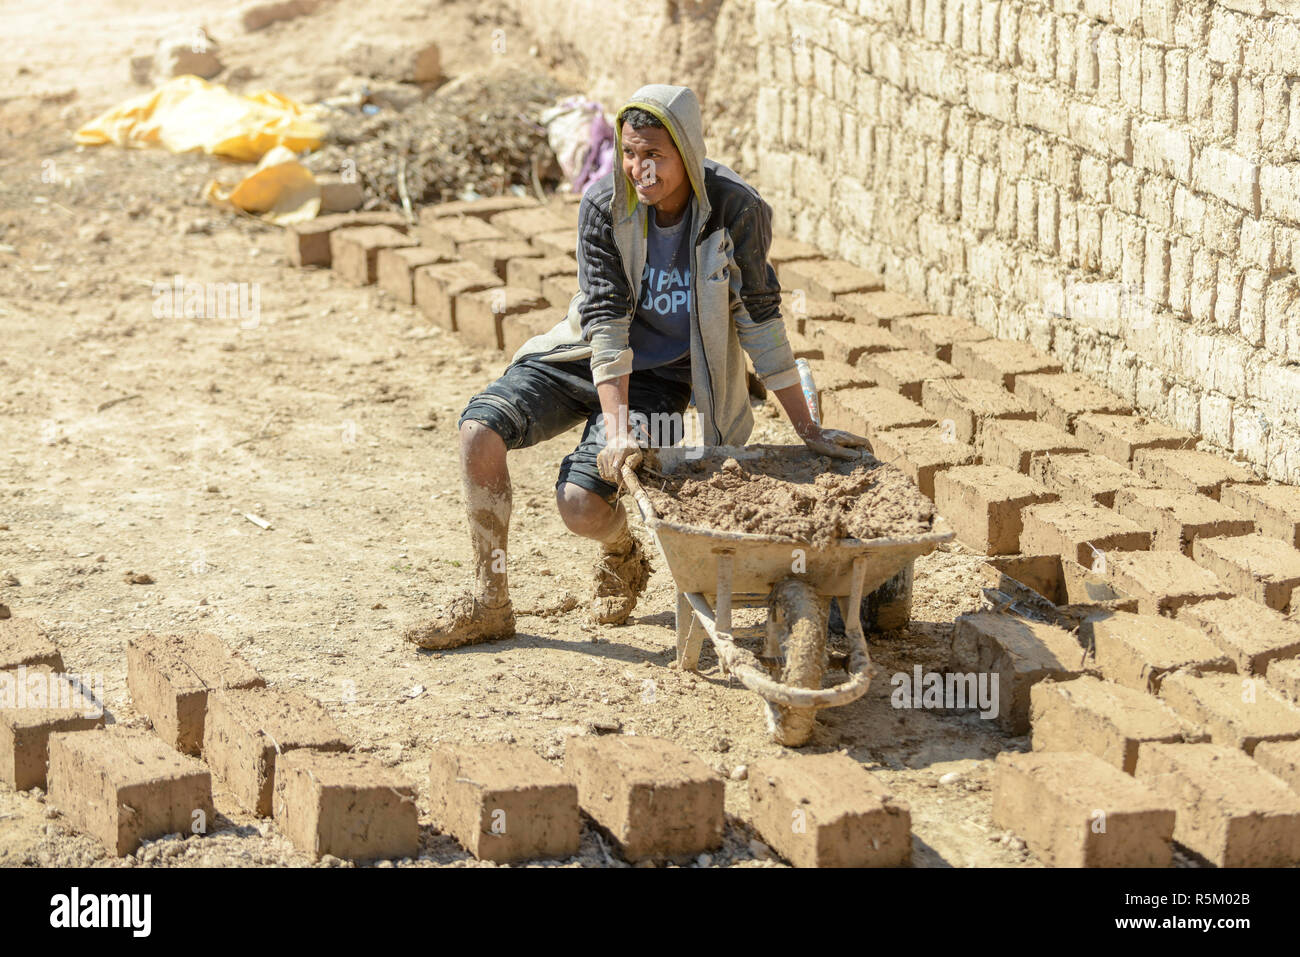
[674, 283]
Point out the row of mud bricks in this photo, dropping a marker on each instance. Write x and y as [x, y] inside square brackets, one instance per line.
[279, 754]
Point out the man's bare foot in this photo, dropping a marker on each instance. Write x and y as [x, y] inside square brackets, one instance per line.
[465, 620]
[621, 577]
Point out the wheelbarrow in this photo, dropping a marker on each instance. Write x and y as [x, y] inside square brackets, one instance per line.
[716, 571]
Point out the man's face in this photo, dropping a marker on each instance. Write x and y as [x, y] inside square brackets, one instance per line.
[652, 163]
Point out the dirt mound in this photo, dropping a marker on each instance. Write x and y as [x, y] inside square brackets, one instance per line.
[792, 493]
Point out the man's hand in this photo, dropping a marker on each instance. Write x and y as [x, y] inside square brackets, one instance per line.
[619, 450]
[835, 443]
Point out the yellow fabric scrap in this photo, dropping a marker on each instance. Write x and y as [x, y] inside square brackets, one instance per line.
[281, 190]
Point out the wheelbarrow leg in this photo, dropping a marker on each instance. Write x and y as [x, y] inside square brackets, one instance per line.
[689, 638]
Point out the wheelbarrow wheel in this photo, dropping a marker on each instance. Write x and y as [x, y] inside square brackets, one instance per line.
[797, 622]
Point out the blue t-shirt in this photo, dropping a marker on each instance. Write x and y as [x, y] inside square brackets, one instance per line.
[660, 334]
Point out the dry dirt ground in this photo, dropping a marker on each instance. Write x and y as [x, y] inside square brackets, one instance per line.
[133, 443]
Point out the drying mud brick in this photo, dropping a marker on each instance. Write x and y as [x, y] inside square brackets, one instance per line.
[655, 798]
[1261, 568]
[1230, 810]
[1101, 718]
[826, 810]
[481, 209]
[354, 252]
[825, 278]
[35, 703]
[1162, 582]
[803, 347]
[921, 453]
[1015, 442]
[865, 411]
[452, 237]
[1236, 710]
[849, 341]
[23, 643]
[1138, 651]
[1019, 653]
[882, 308]
[968, 403]
[1001, 361]
[395, 269]
[983, 503]
[905, 370]
[1275, 509]
[1250, 635]
[1179, 516]
[560, 290]
[557, 242]
[436, 289]
[1119, 437]
[503, 803]
[308, 244]
[524, 224]
[1075, 810]
[348, 805]
[479, 313]
[1282, 760]
[935, 335]
[123, 786]
[1078, 532]
[784, 250]
[246, 731]
[1085, 477]
[801, 313]
[171, 676]
[495, 255]
[532, 272]
[519, 328]
[1203, 472]
[1059, 399]
[831, 376]
[1284, 675]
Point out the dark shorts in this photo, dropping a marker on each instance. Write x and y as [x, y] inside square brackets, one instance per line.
[535, 400]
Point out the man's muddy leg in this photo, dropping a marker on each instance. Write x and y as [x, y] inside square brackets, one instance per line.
[486, 482]
[622, 569]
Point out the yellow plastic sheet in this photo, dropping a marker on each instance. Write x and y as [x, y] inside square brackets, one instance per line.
[281, 190]
[187, 113]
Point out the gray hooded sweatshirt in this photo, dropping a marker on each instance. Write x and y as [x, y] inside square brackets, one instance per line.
[735, 301]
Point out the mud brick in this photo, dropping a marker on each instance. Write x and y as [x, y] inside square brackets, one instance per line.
[864, 411]
[825, 278]
[968, 403]
[1102, 718]
[477, 208]
[560, 290]
[904, 371]
[338, 195]
[1060, 398]
[1231, 811]
[850, 341]
[496, 255]
[532, 272]
[1235, 710]
[803, 347]
[1085, 477]
[354, 252]
[920, 453]
[503, 803]
[1180, 516]
[785, 250]
[1138, 651]
[655, 798]
[803, 314]
[827, 810]
[1019, 653]
[1077, 531]
[347, 805]
[983, 504]
[1284, 675]
[248, 728]
[1162, 582]
[479, 313]
[437, 288]
[124, 786]
[1052, 798]
[1001, 361]
[1119, 437]
[935, 335]
[23, 642]
[35, 703]
[881, 308]
[1282, 760]
[831, 376]
[170, 678]
[308, 244]
[1275, 509]
[557, 242]
[1203, 472]
[1016, 442]
[1260, 568]
[396, 267]
[452, 237]
[518, 329]
[524, 224]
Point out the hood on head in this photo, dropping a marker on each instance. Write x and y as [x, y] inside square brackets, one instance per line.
[677, 108]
